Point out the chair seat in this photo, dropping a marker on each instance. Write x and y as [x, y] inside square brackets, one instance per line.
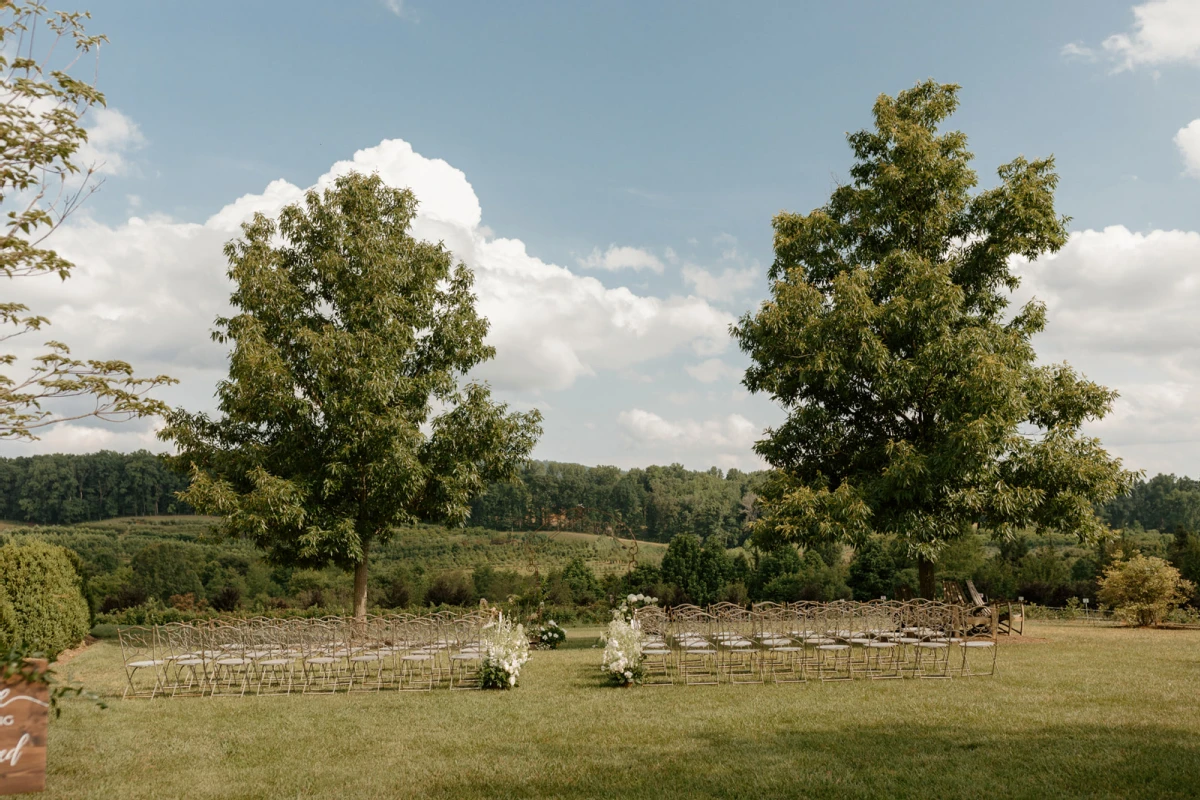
[275, 662]
[417, 657]
[881, 645]
[932, 645]
[656, 652]
[146, 663]
[776, 642]
[833, 647]
[233, 662]
[979, 644]
[465, 657]
[787, 649]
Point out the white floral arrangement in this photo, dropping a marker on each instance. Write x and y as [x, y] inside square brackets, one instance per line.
[505, 650]
[624, 642]
[623, 645]
[631, 604]
[551, 635]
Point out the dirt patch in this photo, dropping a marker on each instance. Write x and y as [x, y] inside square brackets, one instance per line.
[66, 655]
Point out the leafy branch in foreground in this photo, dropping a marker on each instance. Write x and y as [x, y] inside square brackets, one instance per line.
[42, 107]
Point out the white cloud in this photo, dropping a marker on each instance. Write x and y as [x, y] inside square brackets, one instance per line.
[1188, 142]
[399, 8]
[1122, 309]
[148, 290]
[1078, 50]
[112, 137]
[712, 370]
[726, 439]
[1164, 31]
[728, 284]
[618, 258]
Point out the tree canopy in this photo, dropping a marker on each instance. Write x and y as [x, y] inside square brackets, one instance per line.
[914, 402]
[342, 415]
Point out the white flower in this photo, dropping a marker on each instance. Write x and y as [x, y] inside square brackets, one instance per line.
[628, 675]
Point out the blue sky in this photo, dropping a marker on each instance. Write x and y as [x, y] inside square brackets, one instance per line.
[672, 130]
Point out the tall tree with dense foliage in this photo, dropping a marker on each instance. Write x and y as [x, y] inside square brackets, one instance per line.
[342, 415]
[42, 107]
[915, 406]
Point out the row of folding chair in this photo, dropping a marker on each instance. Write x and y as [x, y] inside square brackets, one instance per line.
[326, 655]
[842, 640]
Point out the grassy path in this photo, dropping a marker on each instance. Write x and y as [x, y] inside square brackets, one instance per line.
[1089, 713]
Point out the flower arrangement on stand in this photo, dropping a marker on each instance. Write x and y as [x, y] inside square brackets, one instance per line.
[551, 635]
[631, 604]
[624, 642]
[505, 651]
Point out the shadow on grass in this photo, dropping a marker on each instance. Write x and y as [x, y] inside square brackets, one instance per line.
[867, 762]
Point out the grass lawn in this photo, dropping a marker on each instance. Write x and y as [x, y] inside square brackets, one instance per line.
[1092, 712]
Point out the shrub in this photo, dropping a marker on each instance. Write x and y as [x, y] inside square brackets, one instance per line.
[1142, 589]
[162, 569]
[227, 598]
[451, 589]
[45, 593]
[8, 622]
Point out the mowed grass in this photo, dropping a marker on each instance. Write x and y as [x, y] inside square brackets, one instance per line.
[1091, 712]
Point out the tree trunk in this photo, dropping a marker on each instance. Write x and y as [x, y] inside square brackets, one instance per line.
[360, 587]
[925, 575]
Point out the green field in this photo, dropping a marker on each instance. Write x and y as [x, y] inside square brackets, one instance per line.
[1087, 712]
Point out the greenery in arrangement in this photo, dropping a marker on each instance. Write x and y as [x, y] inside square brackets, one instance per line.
[1143, 589]
[551, 635]
[505, 649]
[42, 606]
[622, 660]
[915, 404]
[342, 416]
[42, 181]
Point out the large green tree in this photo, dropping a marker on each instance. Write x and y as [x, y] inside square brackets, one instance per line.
[914, 402]
[342, 415]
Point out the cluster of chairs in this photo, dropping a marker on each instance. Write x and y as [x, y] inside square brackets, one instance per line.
[281, 656]
[790, 643]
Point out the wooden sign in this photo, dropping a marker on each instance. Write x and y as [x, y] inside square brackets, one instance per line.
[24, 717]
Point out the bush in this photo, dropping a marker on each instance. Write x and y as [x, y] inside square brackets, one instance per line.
[1143, 589]
[45, 593]
[162, 569]
[451, 589]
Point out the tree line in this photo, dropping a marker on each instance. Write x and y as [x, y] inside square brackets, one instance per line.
[63, 489]
[654, 504]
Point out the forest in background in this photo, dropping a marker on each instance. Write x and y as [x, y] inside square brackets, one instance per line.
[547, 538]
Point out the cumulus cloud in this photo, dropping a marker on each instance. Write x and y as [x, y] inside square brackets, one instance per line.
[618, 258]
[1122, 309]
[112, 138]
[712, 370]
[148, 290]
[730, 437]
[1164, 32]
[1079, 51]
[724, 286]
[1188, 142]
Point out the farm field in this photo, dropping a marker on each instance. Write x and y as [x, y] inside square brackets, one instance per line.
[1073, 712]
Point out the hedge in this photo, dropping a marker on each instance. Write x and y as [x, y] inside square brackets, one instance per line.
[45, 592]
